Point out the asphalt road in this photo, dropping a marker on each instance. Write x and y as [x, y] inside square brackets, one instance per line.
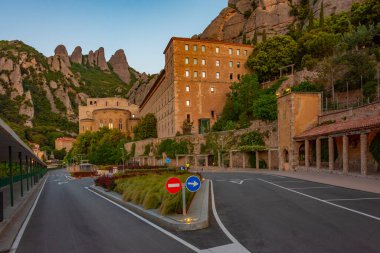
[277, 214]
[263, 213]
[69, 218]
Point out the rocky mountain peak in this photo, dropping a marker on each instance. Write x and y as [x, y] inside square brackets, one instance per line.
[61, 51]
[120, 65]
[76, 56]
[100, 59]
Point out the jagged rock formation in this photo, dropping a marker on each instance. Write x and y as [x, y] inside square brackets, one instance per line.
[76, 56]
[244, 18]
[100, 59]
[140, 89]
[61, 51]
[120, 65]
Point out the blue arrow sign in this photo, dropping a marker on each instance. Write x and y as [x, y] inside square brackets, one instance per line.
[193, 183]
[167, 160]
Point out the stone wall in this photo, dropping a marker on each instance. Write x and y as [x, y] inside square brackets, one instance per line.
[365, 111]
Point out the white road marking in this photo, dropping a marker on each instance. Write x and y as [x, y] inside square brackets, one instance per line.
[233, 247]
[352, 199]
[59, 183]
[321, 200]
[224, 229]
[236, 181]
[192, 247]
[311, 187]
[23, 227]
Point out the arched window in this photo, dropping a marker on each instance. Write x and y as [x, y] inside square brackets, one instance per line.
[120, 124]
[110, 124]
[101, 124]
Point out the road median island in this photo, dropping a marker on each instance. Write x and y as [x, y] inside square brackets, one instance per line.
[146, 196]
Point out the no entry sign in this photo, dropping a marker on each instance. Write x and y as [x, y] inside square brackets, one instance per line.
[173, 185]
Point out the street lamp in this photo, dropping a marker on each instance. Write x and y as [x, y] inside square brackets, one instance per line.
[122, 150]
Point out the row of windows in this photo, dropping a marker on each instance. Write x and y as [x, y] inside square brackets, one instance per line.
[217, 49]
[217, 75]
[187, 89]
[217, 62]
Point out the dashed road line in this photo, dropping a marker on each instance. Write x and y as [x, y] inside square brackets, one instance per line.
[321, 200]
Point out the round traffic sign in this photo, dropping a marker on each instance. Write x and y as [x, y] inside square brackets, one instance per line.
[193, 183]
[173, 185]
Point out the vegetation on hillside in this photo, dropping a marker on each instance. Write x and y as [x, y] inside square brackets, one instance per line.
[97, 83]
[172, 148]
[248, 101]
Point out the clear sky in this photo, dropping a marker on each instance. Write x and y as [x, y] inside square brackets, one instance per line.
[141, 27]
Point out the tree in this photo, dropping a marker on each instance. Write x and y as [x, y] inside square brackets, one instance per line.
[187, 126]
[269, 56]
[147, 128]
[59, 154]
[265, 107]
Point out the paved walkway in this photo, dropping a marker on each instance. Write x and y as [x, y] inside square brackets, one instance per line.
[362, 183]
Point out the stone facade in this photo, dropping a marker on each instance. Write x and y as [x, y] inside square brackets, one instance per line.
[194, 84]
[108, 112]
[64, 143]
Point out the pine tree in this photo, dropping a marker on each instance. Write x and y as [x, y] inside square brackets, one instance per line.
[311, 20]
[264, 35]
[254, 40]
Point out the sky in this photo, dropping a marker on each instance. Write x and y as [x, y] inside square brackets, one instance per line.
[141, 27]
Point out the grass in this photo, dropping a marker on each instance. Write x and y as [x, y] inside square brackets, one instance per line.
[149, 191]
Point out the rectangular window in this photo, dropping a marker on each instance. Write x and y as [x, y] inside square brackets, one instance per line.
[230, 64]
[195, 61]
[245, 52]
[187, 73]
[238, 77]
[230, 51]
[238, 52]
[203, 74]
[188, 117]
[238, 64]
[195, 74]
[217, 63]
[231, 76]
[186, 60]
[188, 103]
[212, 114]
[203, 48]
[217, 75]
[195, 48]
[187, 88]
[203, 62]
[186, 47]
[212, 89]
[217, 50]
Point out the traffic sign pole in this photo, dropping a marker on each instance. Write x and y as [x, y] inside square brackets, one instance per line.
[183, 200]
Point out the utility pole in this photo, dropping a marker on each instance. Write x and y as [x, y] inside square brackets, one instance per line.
[122, 150]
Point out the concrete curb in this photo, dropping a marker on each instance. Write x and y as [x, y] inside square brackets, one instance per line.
[10, 227]
[198, 213]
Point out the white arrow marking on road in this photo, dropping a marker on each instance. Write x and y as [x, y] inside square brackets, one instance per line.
[173, 185]
[62, 183]
[194, 184]
[237, 181]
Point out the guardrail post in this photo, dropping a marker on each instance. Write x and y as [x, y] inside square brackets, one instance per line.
[27, 172]
[22, 182]
[10, 173]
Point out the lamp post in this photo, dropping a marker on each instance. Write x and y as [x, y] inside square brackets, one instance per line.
[122, 150]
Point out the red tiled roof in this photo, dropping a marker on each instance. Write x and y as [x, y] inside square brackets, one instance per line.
[341, 127]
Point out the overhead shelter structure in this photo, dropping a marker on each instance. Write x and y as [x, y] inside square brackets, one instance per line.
[20, 167]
